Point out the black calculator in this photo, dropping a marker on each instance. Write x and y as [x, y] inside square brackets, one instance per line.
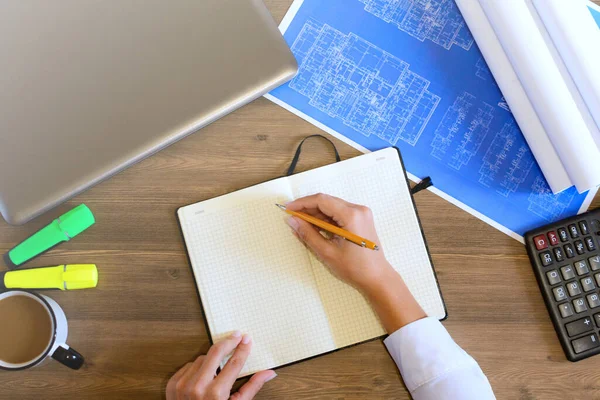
[566, 260]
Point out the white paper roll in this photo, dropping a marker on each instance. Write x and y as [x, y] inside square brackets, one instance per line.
[577, 38]
[564, 71]
[522, 109]
[533, 63]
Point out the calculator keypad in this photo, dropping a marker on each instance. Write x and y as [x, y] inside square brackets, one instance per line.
[593, 300]
[589, 243]
[567, 261]
[579, 247]
[559, 293]
[573, 288]
[553, 238]
[567, 272]
[559, 255]
[546, 258]
[579, 305]
[588, 284]
[566, 310]
[594, 263]
[553, 277]
[564, 236]
[573, 230]
[580, 326]
[584, 228]
[540, 242]
[585, 343]
[569, 251]
[581, 267]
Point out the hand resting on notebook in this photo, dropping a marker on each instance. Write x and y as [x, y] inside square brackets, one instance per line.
[367, 270]
[198, 380]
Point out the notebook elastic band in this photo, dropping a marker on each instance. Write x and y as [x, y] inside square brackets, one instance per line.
[299, 151]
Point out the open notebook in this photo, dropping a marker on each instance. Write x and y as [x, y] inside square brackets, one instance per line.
[253, 275]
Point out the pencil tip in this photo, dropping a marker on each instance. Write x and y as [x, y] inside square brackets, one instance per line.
[280, 206]
[376, 248]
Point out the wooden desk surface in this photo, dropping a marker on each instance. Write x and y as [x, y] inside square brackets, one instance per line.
[143, 321]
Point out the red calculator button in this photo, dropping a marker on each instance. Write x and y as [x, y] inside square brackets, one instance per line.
[540, 242]
[553, 238]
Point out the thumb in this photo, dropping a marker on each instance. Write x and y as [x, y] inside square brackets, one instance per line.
[311, 236]
[253, 386]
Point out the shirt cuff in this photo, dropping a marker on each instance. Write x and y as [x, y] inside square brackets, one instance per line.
[424, 352]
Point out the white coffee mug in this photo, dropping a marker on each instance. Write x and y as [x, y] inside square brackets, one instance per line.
[57, 347]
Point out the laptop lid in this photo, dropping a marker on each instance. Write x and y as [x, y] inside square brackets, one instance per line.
[89, 87]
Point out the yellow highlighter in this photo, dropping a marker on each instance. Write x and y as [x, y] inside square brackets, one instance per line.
[63, 277]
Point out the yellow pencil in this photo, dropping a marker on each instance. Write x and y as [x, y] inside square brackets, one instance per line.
[332, 228]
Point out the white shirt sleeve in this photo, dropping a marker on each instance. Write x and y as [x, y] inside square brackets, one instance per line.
[434, 366]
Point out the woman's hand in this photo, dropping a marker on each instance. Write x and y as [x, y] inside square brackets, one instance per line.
[199, 380]
[355, 265]
[366, 270]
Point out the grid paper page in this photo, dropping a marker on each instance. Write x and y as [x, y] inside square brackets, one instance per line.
[375, 180]
[254, 275]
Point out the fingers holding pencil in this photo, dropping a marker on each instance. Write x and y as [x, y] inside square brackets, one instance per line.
[351, 263]
[351, 213]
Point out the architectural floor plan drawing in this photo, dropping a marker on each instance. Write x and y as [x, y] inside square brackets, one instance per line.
[368, 89]
[547, 205]
[407, 73]
[462, 131]
[436, 20]
[507, 160]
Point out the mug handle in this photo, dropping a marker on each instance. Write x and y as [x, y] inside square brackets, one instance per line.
[68, 356]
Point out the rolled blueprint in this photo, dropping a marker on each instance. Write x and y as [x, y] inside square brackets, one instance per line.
[546, 89]
[577, 38]
[564, 70]
[521, 107]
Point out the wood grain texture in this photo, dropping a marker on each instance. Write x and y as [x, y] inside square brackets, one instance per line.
[143, 321]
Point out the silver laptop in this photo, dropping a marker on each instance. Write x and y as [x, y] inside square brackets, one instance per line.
[89, 87]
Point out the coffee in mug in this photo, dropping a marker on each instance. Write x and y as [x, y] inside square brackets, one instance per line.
[34, 327]
[26, 331]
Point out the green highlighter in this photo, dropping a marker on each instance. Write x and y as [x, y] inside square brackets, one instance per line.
[62, 229]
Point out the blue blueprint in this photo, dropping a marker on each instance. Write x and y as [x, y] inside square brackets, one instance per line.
[408, 73]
